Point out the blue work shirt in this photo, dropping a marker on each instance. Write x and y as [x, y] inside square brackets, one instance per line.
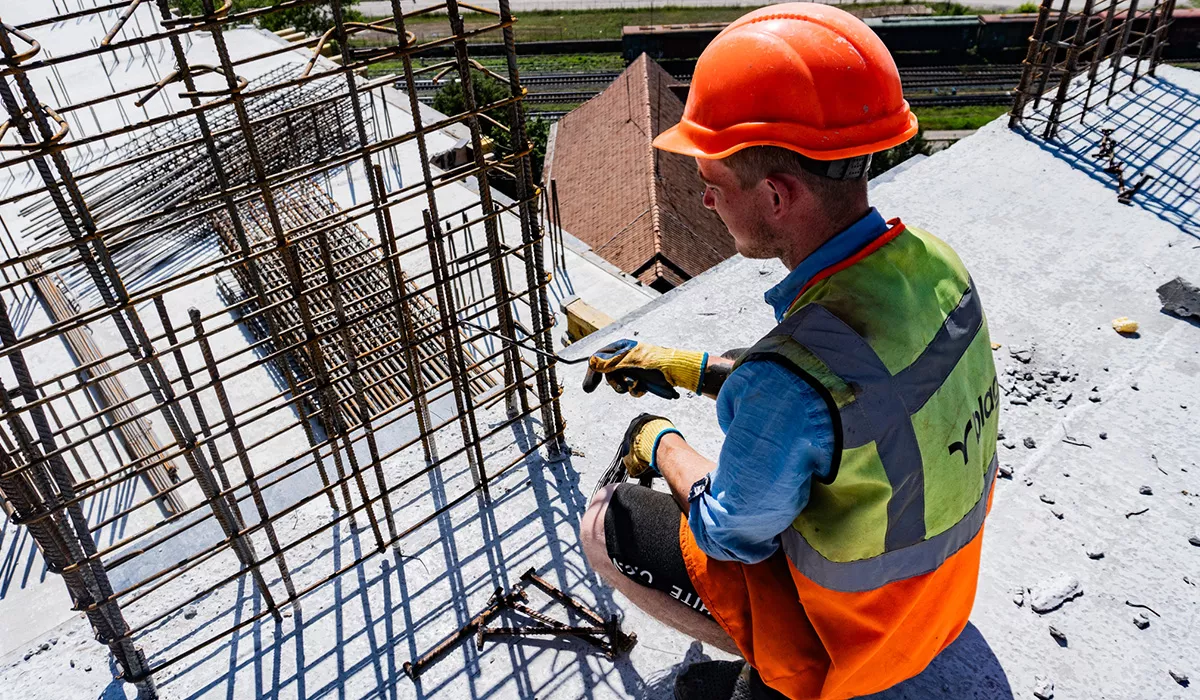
[778, 432]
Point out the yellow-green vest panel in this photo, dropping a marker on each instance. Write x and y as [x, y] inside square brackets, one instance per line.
[897, 344]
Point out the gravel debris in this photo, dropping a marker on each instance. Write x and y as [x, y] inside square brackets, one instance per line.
[1142, 620]
[1058, 636]
[1010, 444]
[1095, 553]
[1029, 443]
[1051, 594]
[1194, 540]
[189, 613]
[1146, 491]
[1043, 688]
[1180, 677]
[1019, 598]
[1046, 499]
[1103, 436]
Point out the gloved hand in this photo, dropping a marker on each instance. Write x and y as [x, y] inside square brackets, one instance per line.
[633, 367]
[641, 440]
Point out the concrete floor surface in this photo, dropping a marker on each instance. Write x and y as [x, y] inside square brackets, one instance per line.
[1055, 258]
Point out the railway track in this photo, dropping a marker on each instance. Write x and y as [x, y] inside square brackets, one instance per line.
[968, 86]
[968, 100]
[968, 76]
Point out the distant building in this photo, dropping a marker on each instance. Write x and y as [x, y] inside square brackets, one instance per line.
[637, 207]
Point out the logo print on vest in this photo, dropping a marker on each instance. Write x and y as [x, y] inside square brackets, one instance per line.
[986, 406]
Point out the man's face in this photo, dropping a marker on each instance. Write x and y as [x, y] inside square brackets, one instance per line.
[742, 210]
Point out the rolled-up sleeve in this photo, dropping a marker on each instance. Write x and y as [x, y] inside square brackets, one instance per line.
[778, 436]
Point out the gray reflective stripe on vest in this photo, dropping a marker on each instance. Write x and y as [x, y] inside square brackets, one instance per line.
[877, 413]
[895, 565]
[918, 382]
[883, 404]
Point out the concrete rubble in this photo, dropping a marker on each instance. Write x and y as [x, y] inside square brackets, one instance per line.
[1050, 595]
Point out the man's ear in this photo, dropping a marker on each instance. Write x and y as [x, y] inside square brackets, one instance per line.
[783, 191]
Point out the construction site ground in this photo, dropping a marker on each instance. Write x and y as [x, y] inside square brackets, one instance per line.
[1055, 257]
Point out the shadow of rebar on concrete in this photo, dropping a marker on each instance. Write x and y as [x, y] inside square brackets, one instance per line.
[1156, 129]
[391, 609]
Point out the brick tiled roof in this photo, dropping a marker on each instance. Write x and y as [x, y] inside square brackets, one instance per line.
[637, 207]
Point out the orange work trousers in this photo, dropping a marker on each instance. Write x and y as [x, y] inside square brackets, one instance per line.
[809, 642]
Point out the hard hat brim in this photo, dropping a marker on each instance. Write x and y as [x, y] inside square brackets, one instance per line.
[690, 139]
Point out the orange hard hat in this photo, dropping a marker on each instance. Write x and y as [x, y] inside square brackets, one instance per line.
[802, 76]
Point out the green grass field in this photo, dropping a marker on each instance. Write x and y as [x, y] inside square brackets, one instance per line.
[565, 63]
[549, 25]
[953, 118]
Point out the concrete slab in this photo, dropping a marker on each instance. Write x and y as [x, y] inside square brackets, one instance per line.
[1055, 258]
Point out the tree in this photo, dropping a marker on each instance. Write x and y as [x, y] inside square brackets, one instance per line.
[449, 100]
[310, 19]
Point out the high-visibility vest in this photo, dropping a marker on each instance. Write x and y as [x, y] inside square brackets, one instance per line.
[879, 572]
[896, 343]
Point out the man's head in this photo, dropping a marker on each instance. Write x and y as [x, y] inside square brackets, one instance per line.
[778, 96]
[774, 202]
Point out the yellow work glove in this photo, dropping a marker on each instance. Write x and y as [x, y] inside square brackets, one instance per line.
[641, 441]
[637, 368]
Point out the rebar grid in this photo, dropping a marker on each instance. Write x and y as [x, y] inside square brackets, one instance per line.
[219, 239]
[1079, 58]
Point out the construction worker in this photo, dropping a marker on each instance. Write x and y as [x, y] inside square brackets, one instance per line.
[835, 543]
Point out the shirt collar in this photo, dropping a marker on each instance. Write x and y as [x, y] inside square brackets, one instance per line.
[832, 252]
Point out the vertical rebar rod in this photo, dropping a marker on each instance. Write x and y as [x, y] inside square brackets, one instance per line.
[1143, 42]
[454, 356]
[235, 434]
[1119, 51]
[1102, 41]
[282, 245]
[1064, 82]
[1160, 36]
[539, 304]
[412, 360]
[1052, 48]
[194, 399]
[364, 413]
[558, 227]
[430, 214]
[224, 509]
[513, 373]
[83, 573]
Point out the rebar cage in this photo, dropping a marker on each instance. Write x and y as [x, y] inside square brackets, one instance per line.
[222, 303]
[1081, 55]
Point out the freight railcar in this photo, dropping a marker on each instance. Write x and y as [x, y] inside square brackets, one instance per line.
[914, 41]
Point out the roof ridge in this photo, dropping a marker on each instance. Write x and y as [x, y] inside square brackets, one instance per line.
[643, 66]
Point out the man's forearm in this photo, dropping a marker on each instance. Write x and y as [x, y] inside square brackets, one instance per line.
[715, 373]
[681, 466]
